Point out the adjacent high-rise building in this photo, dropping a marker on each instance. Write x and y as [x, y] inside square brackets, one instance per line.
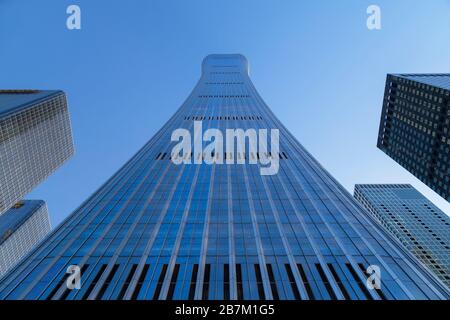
[160, 230]
[35, 139]
[413, 219]
[21, 228]
[415, 127]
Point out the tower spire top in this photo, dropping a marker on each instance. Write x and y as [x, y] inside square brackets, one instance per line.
[225, 63]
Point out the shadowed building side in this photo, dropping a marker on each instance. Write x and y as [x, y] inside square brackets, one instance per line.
[21, 228]
[407, 215]
[415, 127]
[35, 140]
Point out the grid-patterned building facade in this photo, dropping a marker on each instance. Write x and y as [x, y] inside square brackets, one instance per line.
[413, 219]
[157, 230]
[35, 139]
[21, 228]
[415, 127]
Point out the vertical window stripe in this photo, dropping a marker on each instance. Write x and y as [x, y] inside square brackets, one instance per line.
[127, 282]
[240, 288]
[141, 279]
[193, 282]
[160, 282]
[326, 282]
[273, 283]
[306, 282]
[107, 282]
[338, 281]
[291, 278]
[226, 282]
[206, 277]
[94, 282]
[173, 282]
[259, 283]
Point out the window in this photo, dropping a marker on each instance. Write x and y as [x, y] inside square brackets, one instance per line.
[291, 278]
[193, 282]
[138, 287]
[259, 283]
[206, 276]
[160, 282]
[18, 205]
[273, 284]
[127, 282]
[306, 282]
[173, 282]
[326, 282]
[94, 282]
[226, 282]
[338, 281]
[240, 289]
[107, 282]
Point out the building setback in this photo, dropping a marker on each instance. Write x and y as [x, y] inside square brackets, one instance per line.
[21, 228]
[35, 139]
[157, 230]
[415, 127]
[413, 219]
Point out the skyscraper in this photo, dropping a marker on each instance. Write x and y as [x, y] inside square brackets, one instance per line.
[158, 230]
[415, 127]
[21, 228]
[35, 139]
[411, 218]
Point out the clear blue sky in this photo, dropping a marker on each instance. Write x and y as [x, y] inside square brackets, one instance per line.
[134, 62]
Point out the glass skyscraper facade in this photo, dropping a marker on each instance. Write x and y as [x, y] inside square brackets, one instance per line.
[415, 127]
[157, 230]
[35, 140]
[413, 219]
[21, 228]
